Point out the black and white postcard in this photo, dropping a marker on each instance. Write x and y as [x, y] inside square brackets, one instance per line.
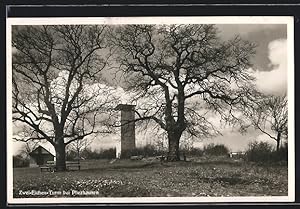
[150, 109]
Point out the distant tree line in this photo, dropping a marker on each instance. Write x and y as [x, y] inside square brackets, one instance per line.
[259, 152]
[88, 153]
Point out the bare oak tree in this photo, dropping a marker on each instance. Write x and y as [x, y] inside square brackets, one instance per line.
[181, 72]
[270, 116]
[56, 83]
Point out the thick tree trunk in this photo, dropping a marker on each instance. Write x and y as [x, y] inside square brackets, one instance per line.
[173, 154]
[278, 141]
[60, 150]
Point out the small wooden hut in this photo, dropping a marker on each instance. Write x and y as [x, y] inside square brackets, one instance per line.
[40, 156]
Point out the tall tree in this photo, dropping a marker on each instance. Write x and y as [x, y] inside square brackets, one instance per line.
[56, 91]
[180, 72]
[270, 116]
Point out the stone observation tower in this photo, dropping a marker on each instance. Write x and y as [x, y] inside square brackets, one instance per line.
[127, 129]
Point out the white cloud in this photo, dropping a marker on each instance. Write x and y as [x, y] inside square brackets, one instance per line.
[274, 81]
[124, 96]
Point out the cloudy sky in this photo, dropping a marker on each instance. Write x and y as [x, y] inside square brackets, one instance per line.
[270, 70]
[270, 62]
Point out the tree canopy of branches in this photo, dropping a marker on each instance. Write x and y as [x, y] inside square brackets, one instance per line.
[182, 72]
[270, 116]
[79, 146]
[27, 148]
[57, 93]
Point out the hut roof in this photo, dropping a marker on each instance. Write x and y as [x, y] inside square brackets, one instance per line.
[44, 150]
[125, 107]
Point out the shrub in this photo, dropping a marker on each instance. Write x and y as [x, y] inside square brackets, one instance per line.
[216, 150]
[281, 154]
[146, 151]
[259, 152]
[71, 155]
[193, 152]
[108, 153]
[263, 152]
[19, 161]
[99, 154]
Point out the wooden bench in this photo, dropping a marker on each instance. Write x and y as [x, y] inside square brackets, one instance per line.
[50, 166]
[72, 164]
[236, 154]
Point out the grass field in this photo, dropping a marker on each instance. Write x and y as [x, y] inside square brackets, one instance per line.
[125, 178]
